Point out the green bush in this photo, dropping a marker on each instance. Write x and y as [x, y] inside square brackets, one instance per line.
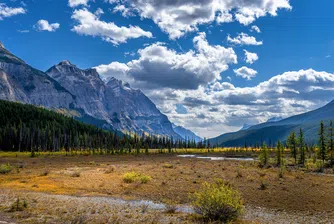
[131, 177]
[5, 168]
[144, 179]
[218, 202]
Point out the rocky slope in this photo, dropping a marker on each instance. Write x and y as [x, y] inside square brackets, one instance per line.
[20, 82]
[126, 109]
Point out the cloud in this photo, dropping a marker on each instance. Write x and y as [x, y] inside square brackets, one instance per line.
[126, 12]
[114, 69]
[246, 73]
[91, 25]
[99, 12]
[244, 39]
[160, 67]
[44, 25]
[23, 31]
[256, 29]
[217, 107]
[250, 57]
[284, 95]
[181, 16]
[6, 11]
[75, 3]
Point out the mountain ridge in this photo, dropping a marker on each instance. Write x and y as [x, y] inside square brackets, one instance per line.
[271, 132]
[114, 105]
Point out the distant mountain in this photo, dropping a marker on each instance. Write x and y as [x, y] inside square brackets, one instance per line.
[186, 133]
[82, 94]
[275, 119]
[270, 132]
[246, 126]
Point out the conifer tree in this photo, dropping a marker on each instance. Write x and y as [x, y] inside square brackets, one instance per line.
[264, 155]
[331, 142]
[301, 144]
[279, 153]
[292, 145]
[322, 142]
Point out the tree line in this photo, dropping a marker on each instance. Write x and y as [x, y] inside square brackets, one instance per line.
[27, 128]
[299, 150]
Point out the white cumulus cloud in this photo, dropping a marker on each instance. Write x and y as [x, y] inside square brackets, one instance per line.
[6, 11]
[178, 17]
[89, 24]
[161, 67]
[245, 72]
[44, 25]
[250, 57]
[256, 29]
[75, 3]
[244, 39]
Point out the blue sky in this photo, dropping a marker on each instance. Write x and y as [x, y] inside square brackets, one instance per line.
[296, 36]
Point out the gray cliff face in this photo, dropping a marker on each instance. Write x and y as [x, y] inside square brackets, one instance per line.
[20, 82]
[124, 108]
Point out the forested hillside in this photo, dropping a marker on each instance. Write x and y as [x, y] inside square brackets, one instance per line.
[26, 127]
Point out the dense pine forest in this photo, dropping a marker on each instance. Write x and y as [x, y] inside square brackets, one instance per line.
[29, 128]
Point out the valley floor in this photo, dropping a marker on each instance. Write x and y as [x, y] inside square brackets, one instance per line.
[91, 189]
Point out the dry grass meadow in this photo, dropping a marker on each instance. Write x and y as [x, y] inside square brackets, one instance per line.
[86, 189]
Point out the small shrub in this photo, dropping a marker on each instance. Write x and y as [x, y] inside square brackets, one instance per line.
[130, 177]
[144, 179]
[5, 168]
[168, 166]
[218, 202]
[18, 205]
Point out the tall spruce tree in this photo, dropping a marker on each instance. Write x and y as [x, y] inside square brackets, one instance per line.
[322, 142]
[331, 142]
[264, 155]
[279, 153]
[301, 144]
[292, 145]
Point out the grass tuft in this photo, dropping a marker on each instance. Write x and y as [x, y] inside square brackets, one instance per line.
[168, 166]
[131, 177]
[5, 168]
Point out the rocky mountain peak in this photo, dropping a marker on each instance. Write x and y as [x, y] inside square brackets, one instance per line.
[66, 63]
[1, 45]
[113, 82]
